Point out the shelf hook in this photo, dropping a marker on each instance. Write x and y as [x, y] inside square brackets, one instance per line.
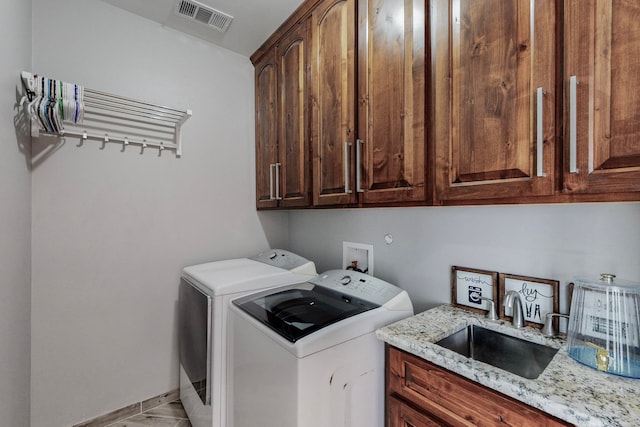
[83, 138]
[105, 140]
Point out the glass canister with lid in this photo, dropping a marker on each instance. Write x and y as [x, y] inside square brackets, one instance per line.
[604, 325]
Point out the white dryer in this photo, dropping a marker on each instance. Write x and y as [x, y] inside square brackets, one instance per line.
[204, 295]
[306, 355]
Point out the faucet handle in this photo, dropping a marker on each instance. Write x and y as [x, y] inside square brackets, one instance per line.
[548, 329]
[491, 314]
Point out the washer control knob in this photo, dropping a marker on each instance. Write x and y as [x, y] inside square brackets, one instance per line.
[345, 280]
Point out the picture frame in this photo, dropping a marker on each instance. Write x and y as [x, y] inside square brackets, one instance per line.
[469, 284]
[538, 296]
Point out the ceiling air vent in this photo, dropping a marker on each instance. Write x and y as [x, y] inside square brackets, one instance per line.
[198, 12]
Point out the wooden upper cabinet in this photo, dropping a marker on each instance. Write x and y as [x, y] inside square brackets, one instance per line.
[494, 98]
[292, 169]
[602, 102]
[266, 130]
[391, 101]
[333, 102]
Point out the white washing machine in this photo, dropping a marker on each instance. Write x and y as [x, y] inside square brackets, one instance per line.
[204, 295]
[305, 355]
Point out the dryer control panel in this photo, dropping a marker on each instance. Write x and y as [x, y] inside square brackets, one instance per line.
[358, 285]
[287, 261]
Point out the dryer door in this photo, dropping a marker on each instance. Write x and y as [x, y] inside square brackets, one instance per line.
[194, 329]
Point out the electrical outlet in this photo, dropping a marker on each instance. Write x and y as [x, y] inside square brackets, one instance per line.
[358, 257]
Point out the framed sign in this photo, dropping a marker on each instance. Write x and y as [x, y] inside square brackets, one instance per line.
[469, 286]
[538, 296]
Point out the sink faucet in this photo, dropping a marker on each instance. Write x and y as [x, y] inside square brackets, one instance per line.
[512, 300]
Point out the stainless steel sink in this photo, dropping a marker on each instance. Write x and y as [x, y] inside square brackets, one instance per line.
[524, 358]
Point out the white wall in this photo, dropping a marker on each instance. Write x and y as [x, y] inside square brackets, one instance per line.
[112, 230]
[546, 241]
[15, 208]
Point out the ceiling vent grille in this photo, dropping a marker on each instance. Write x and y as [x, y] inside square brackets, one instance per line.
[195, 11]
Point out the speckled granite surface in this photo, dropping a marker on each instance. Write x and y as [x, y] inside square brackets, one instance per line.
[566, 389]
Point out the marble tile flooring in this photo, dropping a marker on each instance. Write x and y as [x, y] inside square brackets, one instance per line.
[170, 414]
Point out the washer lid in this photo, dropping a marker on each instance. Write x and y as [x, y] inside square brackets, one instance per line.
[299, 310]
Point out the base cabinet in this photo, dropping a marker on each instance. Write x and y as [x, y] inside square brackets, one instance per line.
[421, 394]
[400, 414]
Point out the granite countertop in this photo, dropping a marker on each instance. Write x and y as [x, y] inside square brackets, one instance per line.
[566, 389]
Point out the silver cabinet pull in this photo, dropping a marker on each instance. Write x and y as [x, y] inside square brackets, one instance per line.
[573, 124]
[359, 143]
[272, 166]
[347, 170]
[277, 167]
[540, 131]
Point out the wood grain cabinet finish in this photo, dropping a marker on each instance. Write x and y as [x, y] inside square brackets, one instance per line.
[333, 102]
[282, 138]
[602, 102]
[391, 101]
[494, 98]
[383, 159]
[421, 394]
[266, 130]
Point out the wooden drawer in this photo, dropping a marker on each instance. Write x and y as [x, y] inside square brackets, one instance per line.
[402, 415]
[454, 400]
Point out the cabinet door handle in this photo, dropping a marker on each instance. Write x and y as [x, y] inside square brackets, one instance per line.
[277, 165]
[540, 131]
[573, 124]
[272, 166]
[347, 169]
[359, 144]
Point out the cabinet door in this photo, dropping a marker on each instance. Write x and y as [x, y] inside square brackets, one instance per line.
[391, 95]
[495, 64]
[453, 400]
[266, 130]
[333, 102]
[402, 415]
[293, 144]
[602, 76]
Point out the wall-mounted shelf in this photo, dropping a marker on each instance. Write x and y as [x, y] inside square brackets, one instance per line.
[100, 116]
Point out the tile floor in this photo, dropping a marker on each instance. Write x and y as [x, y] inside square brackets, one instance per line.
[171, 414]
